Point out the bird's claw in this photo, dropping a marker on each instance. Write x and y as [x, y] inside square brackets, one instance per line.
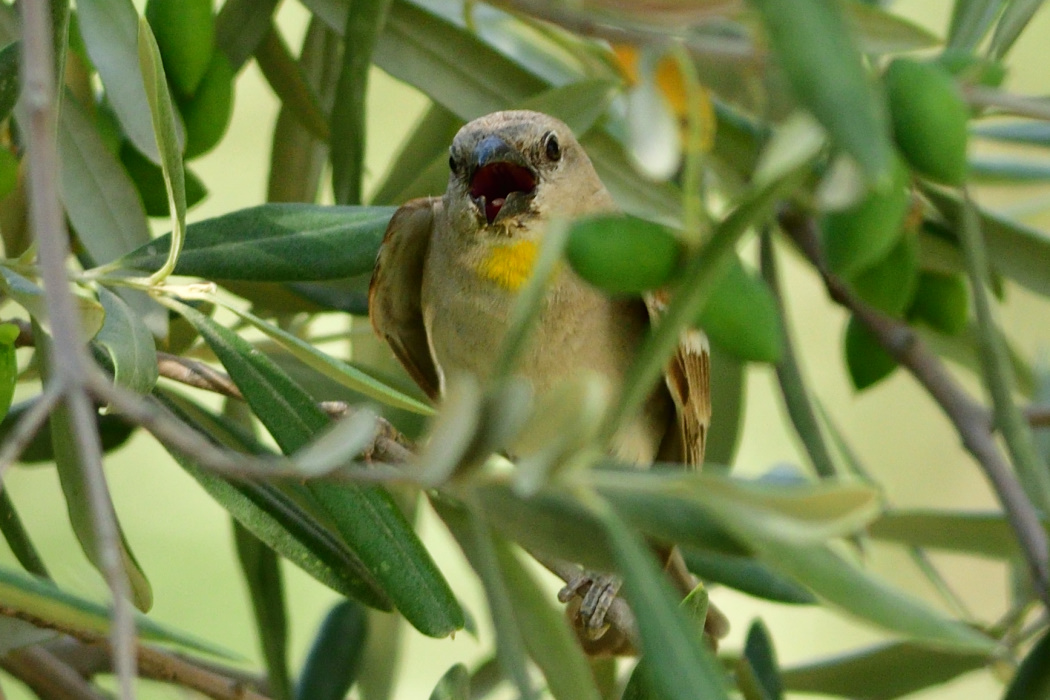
[598, 591]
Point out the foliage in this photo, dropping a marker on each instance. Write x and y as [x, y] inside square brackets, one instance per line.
[709, 122]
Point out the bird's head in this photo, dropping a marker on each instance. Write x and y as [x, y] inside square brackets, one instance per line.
[508, 167]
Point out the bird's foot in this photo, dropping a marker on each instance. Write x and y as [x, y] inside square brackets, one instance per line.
[598, 592]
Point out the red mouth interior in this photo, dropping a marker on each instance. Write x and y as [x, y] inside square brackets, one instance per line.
[496, 181]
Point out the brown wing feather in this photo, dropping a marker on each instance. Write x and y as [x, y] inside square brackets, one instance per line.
[688, 379]
[395, 290]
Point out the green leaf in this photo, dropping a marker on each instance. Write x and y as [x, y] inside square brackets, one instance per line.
[942, 301]
[549, 641]
[163, 113]
[18, 539]
[98, 195]
[31, 297]
[1017, 251]
[342, 373]
[275, 515]
[110, 31]
[76, 490]
[364, 23]
[971, 20]
[880, 31]
[817, 51]
[288, 79]
[262, 573]
[759, 652]
[867, 361]
[1033, 675]
[367, 517]
[336, 654]
[1015, 18]
[681, 666]
[798, 513]
[8, 366]
[43, 600]
[478, 542]
[276, 243]
[727, 402]
[622, 255]
[844, 586]
[747, 575]
[241, 26]
[10, 81]
[129, 344]
[454, 685]
[741, 316]
[149, 181]
[883, 671]
[982, 534]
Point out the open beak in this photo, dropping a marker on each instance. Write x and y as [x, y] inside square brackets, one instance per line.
[501, 179]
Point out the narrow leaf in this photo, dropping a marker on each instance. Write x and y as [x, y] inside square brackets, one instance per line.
[241, 26]
[367, 517]
[110, 31]
[971, 20]
[276, 243]
[747, 575]
[342, 373]
[164, 129]
[129, 344]
[10, 81]
[816, 49]
[681, 666]
[364, 22]
[18, 539]
[336, 654]
[276, 517]
[1033, 675]
[30, 297]
[454, 685]
[882, 672]
[262, 573]
[288, 80]
[759, 652]
[1015, 18]
[97, 192]
[43, 600]
[982, 534]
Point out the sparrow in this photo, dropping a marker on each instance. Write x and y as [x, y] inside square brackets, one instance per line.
[450, 268]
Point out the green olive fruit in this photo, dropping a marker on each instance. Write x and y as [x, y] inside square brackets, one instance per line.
[859, 236]
[889, 284]
[623, 255]
[741, 316]
[942, 301]
[185, 33]
[929, 119]
[207, 114]
[868, 363]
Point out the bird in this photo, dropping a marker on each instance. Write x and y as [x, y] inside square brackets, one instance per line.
[449, 271]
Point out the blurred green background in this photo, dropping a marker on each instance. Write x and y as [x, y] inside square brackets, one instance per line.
[184, 539]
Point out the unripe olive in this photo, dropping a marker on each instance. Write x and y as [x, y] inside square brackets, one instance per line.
[889, 284]
[207, 114]
[929, 119]
[741, 316]
[942, 301]
[868, 363]
[623, 255]
[859, 236]
[185, 33]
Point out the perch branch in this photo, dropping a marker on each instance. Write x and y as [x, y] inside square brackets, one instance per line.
[48, 676]
[69, 361]
[970, 419]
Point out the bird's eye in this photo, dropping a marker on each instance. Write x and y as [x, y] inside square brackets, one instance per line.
[452, 164]
[551, 146]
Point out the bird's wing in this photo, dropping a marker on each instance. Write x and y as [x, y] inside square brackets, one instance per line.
[688, 379]
[395, 291]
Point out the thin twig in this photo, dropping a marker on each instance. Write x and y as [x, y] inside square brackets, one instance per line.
[68, 358]
[980, 96]
[969, 418]
[48, 676]
[1038, 416]
[196, 374]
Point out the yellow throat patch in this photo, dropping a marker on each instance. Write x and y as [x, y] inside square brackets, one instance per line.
[509, 265]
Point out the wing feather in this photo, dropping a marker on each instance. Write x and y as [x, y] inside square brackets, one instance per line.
[394, 293]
